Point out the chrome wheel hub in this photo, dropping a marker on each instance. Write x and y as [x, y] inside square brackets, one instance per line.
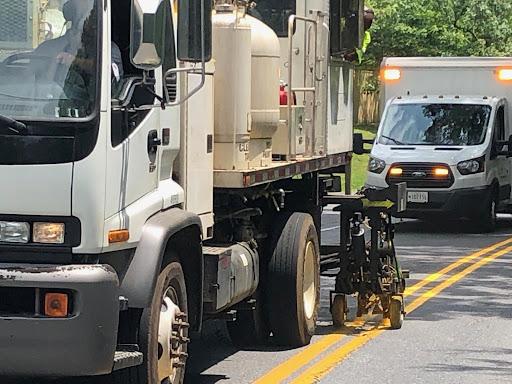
[309, 282]
[172, 338]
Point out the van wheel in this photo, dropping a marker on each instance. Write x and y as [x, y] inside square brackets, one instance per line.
[488, 221]
[293, 292]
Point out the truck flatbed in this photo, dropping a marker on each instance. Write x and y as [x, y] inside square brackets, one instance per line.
[279, 170]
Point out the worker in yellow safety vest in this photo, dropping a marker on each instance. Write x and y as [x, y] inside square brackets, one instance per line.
[368, 18]
[358, 55]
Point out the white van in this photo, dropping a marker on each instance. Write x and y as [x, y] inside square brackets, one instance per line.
[444, 131]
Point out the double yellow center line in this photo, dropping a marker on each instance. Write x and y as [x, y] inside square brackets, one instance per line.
[329, 362]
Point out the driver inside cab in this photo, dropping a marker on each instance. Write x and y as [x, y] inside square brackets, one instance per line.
[75, 53]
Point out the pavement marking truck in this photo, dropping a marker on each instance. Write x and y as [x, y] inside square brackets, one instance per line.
[164, 163]
[445, 131]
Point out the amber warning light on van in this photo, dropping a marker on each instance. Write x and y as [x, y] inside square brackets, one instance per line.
[505, 74]
[391, 74]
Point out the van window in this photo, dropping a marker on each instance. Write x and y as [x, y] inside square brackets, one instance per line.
[435, 124]
[499, 126]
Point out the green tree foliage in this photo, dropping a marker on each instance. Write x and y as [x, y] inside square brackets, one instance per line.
[440, 28]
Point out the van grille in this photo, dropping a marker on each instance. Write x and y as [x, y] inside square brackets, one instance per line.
[421, 175]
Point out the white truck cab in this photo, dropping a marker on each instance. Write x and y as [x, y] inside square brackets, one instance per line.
[443, 132]
[152, 176]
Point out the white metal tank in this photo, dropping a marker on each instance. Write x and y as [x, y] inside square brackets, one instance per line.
[265, 66]
[232, 54]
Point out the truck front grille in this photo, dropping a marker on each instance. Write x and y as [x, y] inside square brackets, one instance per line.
[421, 175]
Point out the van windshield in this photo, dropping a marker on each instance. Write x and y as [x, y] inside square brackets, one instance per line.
[435, 124]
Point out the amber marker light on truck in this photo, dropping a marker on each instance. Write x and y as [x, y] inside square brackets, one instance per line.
[441, 172]
[118, 236]
[395, 171]
[391, 74]
[505, 74]
[56, 304]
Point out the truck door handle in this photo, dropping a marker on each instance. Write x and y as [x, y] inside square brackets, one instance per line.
[153, 142]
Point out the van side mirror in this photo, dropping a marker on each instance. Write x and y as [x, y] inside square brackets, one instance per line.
[194, 30]
[498, 148]
[359, 143]
[147, 33]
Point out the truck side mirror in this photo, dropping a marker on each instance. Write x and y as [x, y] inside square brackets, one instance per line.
[147, 34]
[194, 30]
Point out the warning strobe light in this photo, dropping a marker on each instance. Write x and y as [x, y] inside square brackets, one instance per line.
[505, 74]
[391, 74]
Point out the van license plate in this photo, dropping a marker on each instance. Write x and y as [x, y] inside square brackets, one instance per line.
[417, 197]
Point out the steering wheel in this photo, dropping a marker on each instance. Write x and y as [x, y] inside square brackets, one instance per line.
[45, 67]
[26, 56]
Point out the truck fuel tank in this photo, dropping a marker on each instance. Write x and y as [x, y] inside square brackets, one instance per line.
[231, 275]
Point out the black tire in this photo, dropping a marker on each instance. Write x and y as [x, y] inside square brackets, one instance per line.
[171, 279]
[396, 314]
[296, 249]
[489, 216]
[250, 328]
[339, 311]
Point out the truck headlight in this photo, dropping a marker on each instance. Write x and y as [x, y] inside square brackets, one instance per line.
[471, 167]
[48, 233]
[14, 232]
[376, 165]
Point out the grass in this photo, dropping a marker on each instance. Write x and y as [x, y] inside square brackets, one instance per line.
[360, 162]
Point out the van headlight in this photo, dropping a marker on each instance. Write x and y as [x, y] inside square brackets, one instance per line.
[14, 232]
[376, 165]
[471, 167]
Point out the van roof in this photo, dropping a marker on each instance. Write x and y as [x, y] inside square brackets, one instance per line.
[456, 62]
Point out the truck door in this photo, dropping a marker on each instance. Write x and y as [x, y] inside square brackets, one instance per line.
[501, 162]
[132, 154]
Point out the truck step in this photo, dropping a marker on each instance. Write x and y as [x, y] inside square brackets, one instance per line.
[127, 359]
[216, 251]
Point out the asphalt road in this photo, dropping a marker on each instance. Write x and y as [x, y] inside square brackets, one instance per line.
[458, 328]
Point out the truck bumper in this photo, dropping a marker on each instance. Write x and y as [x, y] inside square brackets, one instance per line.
[81, 344]
[455, 203]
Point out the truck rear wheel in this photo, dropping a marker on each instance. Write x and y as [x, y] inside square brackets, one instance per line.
[293, 290]
[163, 333]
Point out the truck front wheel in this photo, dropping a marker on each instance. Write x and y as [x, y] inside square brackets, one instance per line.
[164, 330]
[293, 290]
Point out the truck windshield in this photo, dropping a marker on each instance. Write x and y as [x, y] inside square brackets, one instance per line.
[274, 13]
[48, 58]
[435, 124]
